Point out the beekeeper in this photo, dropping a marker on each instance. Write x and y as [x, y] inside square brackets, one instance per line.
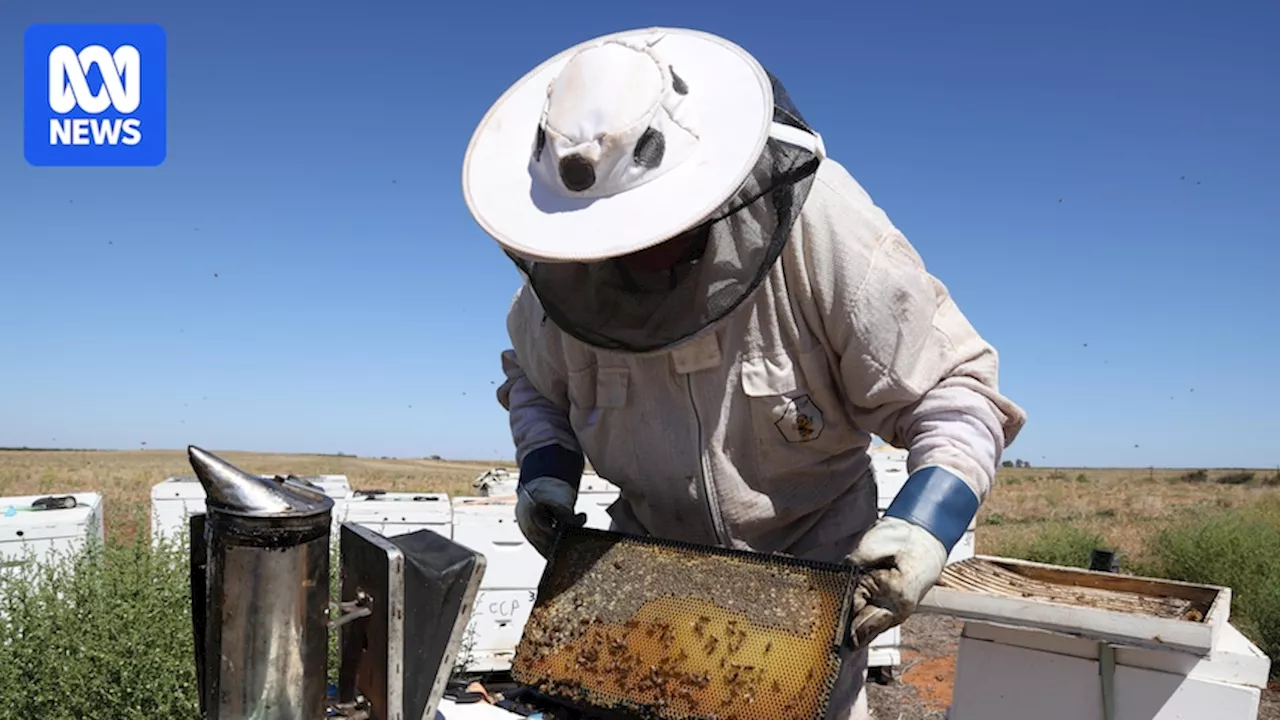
[718, 317]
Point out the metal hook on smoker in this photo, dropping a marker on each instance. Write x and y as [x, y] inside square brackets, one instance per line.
[351, 610]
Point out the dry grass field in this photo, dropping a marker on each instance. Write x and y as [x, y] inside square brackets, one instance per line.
[125, 478]
[1126, 506]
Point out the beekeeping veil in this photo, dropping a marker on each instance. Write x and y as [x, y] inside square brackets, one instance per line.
[627, 141]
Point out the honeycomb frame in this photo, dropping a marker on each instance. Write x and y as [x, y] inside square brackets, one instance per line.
[641, 627]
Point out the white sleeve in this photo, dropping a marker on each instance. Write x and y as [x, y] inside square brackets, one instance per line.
[535, 393]
[536, 421]
[916, 372]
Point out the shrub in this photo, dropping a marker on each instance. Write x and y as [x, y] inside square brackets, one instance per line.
[1192, 476]
[1235, 478]
[106, 632]
[1056, 544]
[101, 633]
[1235, 548]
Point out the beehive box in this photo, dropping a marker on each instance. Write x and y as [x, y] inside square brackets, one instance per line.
[1005, 673]
[668, 630]
[488, 526]
[1126, 610]
[46, 535]
[399, 513]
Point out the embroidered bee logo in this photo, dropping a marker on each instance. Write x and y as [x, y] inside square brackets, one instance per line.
[801, 420]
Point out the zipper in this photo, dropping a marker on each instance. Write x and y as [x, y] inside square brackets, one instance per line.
[708, 490]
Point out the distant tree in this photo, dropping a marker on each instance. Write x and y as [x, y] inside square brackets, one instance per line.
[1007, 463]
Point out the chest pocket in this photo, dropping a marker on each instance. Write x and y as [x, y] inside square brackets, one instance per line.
[796, 422]
[598, 405]
[595, 390]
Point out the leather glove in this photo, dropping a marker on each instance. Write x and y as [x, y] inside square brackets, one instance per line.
[901, 562]
[544, 505]
[904, 552]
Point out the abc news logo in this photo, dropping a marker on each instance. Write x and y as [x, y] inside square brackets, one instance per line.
[69, 89]
[95, 94]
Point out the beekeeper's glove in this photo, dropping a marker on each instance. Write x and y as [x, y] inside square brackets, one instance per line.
[904, 552]
[544, 505]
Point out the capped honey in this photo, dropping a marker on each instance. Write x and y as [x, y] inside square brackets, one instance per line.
[669, 630]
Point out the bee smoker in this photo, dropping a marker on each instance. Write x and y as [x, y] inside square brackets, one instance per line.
[260, 594]
[261, 611]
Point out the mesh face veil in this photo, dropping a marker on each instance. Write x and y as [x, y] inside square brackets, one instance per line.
[615, 305]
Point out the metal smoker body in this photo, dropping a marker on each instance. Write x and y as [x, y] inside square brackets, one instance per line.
[260, 594]
[261, 612]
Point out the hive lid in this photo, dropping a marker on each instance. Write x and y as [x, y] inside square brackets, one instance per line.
[232, 490]
[638, 626]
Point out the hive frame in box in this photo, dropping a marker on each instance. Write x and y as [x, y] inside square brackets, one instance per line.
[587, 699]
[1121, 628]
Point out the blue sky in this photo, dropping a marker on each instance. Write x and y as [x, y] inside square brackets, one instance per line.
[1032, 152]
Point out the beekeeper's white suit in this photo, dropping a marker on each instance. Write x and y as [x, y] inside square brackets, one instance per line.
[727, 380]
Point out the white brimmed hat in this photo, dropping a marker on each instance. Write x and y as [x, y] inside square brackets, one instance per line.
[618, 144]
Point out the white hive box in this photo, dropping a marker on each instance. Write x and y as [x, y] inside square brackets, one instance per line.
[1055, 642]
[399, 513]
[488, 526]
[1004, 673]
[595, 495]
[885, 651]
[890, 465]
[497, 482]
[45, 535]
[176, 499]
[593, 483]
[497, 622]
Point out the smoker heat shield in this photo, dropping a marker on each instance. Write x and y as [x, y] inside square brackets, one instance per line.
[420, 589]
[642, 627]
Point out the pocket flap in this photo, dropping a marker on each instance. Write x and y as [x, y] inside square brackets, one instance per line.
[765, 376]
[612, 384]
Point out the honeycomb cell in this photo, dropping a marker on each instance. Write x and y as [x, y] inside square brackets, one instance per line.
[667, 630]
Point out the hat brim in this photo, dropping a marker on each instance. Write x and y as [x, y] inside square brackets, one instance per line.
[735, 114]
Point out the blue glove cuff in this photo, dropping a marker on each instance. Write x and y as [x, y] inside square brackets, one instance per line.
[938, 501]
[554, 461]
